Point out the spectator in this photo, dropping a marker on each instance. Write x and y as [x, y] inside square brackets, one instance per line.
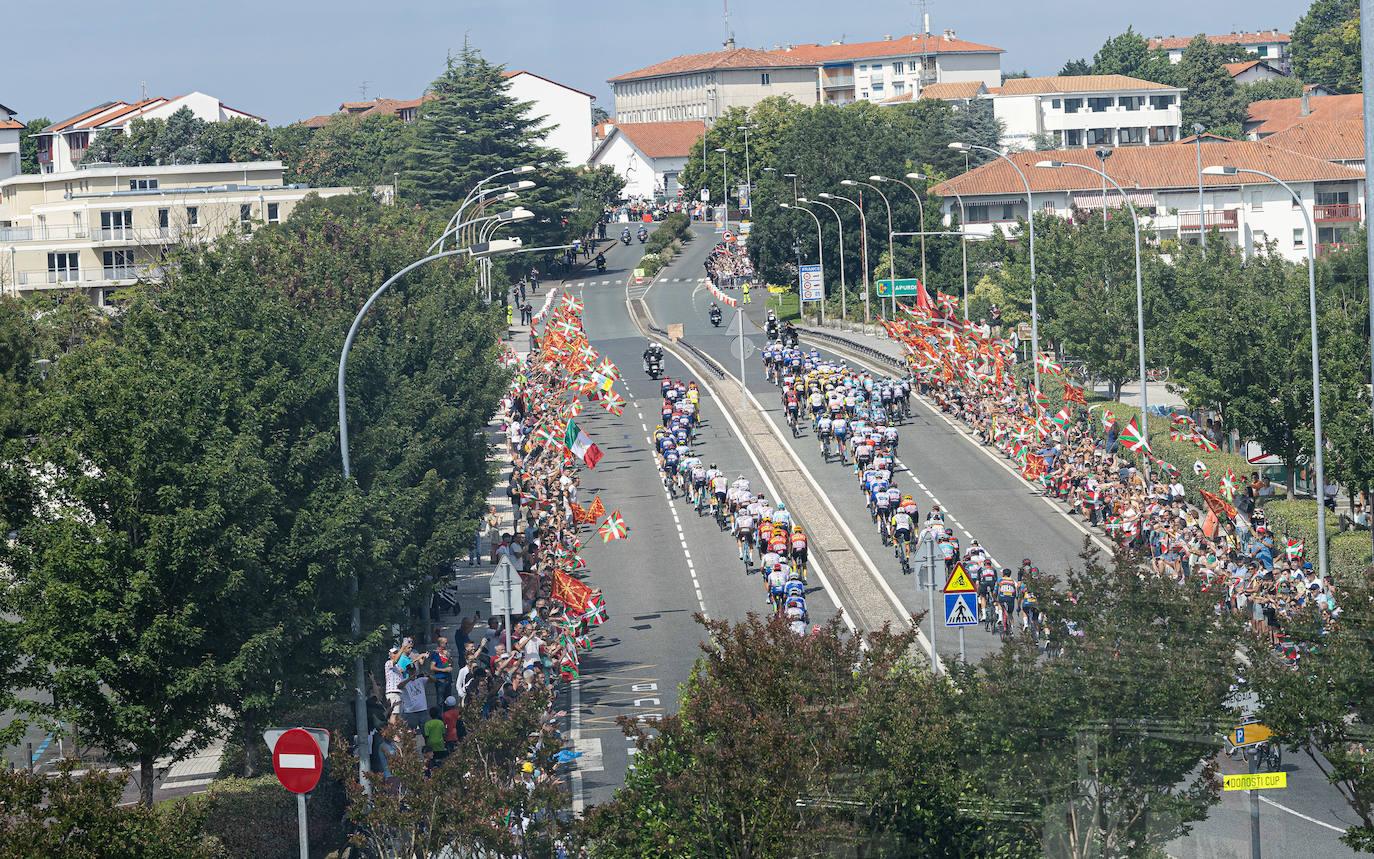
[395, 674]
[441, 667]
[453, 723]
[434, 731]
[414, 703]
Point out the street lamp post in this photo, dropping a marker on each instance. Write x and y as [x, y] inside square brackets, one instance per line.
[920, 207]
[891, 252]
[963, 245]
[840, 224]
[1139, 296]
[1227, 170]
[863, 243]
[793, 177]
[1367, 100]
[1030, 220]
[725, 188]
[748, 183]
[820, 249]
[1201, 209]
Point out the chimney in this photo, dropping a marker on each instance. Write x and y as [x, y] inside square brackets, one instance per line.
[1306, 108]
[730, 43]
[887, 37]
[949, 35]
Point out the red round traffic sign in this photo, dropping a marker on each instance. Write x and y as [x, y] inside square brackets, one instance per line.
[297, 761]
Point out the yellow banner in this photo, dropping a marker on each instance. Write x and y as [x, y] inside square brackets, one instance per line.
[1255, 781]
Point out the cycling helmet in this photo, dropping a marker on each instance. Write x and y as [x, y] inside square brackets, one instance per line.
[798, 530]
[782, 505]
[973, 542]
[949, 532]
[794, 576]
[1025, 562]
[713, 465]
[1006, 571]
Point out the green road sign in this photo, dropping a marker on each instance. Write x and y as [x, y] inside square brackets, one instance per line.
[905, 286]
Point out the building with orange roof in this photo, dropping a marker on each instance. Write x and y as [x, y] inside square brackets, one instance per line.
[9, 142]
[1268, 45]
[1253, 71]
[62, 146]
[703, 86]
[1087, 111]
[1271, 116]
[1162, 183]
[650, 155]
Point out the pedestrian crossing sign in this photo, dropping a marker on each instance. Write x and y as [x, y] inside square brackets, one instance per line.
[959, 582]
[960, 610]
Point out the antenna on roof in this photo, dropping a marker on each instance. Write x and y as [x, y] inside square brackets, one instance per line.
[729, 34]
[143, 89]
[363, 89]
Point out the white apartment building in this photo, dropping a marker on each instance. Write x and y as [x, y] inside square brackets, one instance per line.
[1162, 182]
[62, 146]
[1269, 45]
[1087, 111]
[9, 142]
[567, 113]
[102, 228]
[703, 86]
[649, 155]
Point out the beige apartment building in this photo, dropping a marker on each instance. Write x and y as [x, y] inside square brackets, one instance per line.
[106, 227]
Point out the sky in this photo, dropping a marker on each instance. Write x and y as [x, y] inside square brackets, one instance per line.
[290, 59]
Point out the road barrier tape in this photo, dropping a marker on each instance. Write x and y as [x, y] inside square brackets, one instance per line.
[721, 297]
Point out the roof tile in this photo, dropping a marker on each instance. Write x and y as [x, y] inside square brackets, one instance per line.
[960, 89]
[1145, 168]
[1076, 83]
[1275, 115]
[1174, 43]
[1341, 140]
[663, 139]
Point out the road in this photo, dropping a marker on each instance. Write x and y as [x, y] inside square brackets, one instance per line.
[675, 563]
[985, 499]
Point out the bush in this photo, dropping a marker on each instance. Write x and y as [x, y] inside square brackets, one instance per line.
[257, 817]
[652, 264]
[673, 228]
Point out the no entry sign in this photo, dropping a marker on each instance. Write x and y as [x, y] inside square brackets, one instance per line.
[297, 761]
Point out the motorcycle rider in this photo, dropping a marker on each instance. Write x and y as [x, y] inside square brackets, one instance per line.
[625, 235]
[714, 313]
[653, 357]
[600, 262]
[643, 234]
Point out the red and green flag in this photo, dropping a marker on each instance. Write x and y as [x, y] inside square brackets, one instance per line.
[581, 445]
[1133, 440]
[614, 528]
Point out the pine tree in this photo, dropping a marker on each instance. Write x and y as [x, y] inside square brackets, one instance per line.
[469, 129]
[1211, 98]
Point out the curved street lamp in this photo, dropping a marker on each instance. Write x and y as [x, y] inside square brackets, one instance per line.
[891, 253]
[863, 243]
[1228, 170]
[820, 250]
[843, 288]
[920, 207]
[1139, 296]
[1030, 221]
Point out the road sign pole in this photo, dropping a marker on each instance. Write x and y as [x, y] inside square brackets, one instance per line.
[928, 552]
[743, 389]
[300, 819]
[961, 644]
[1254, 810]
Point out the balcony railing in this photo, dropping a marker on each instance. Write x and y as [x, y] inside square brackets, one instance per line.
[67, 278]
[1326, 248]
[1327, 212]
[837, 81]
[132, 234]
[1224, 219]
[43, 233]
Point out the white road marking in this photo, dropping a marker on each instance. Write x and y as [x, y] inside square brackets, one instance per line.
[576, 733]
[1281, 807]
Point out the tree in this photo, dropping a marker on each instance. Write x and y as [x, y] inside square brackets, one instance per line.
[28, 144]
[1326, 45]
[599, 115]
[791, 746]
[1106, 749]
[350, 150]
[1270, 89]
[470, 803]
[1324, 708]
[80, 816]
[1125, 54]
[1211, 98]
[1076, 67]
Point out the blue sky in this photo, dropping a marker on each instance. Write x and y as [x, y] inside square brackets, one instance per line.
[289, 59]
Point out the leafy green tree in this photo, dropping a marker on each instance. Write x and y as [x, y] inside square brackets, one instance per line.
[1270, 89]
[70, 816]
[1325, 708]
[349, 150]
[599, 114]
[1125, 54]
[1326, 45]
[1106, 749]
[1211, 96]
[28, 144]
[1076, 67]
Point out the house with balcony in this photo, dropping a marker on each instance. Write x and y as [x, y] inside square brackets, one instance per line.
[62, 146]
[102, 228]
[1162, 183]
[703, 86]
[1087, 111]
[10, 129]
[1268, 45]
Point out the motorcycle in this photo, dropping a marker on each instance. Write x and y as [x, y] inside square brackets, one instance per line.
[715, 318]
[643, 236]
[625, 237]
[601, 264]
[653, 367]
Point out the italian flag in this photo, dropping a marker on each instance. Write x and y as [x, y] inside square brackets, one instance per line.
[580, 445]
[1130, 436]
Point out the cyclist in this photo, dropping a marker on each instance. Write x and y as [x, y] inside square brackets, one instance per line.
[799, 551]
[1006, 598]
[744, 536]
[1030, 612]
[986, 578]
[670, 460]
[793, 407]
[901, 534]
[839, 427]
[698, 484]
[794, 588]
[719, 487]
[777, 580]
[824, 433]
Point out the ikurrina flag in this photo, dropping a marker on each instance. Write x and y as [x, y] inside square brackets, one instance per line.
[614, 528]
[581, 445]
[1063, 418]
[1047, 364]
[1132, 439]
[1074, 394]
[1295, 548]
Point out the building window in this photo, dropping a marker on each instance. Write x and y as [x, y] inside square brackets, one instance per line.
[863, 94]
[117, 224]
[118, 265]
[1099, 105]
[1130, 136]
[246, 216]
[1132, 102]
[142, 184]
[1058, 137]
[192, 216]
[898, 87]
[164, 220]
[1099, 137]
[1163, 134]
[1298, 237]
[1333, 198]
[1056, 103]
[1262, 50]
[63, 268]
[79, 140]
[899, 68]
[764, 79]
[1073, 137]
[863, 67]
[877, 86]
[1073, 105]
[1161, 102]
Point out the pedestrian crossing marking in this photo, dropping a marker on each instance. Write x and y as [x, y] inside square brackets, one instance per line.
[959, 610]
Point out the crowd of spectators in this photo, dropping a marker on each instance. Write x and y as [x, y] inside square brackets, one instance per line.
[727, 264]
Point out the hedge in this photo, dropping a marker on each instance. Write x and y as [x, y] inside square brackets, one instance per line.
[673, 228]
[257, 817]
